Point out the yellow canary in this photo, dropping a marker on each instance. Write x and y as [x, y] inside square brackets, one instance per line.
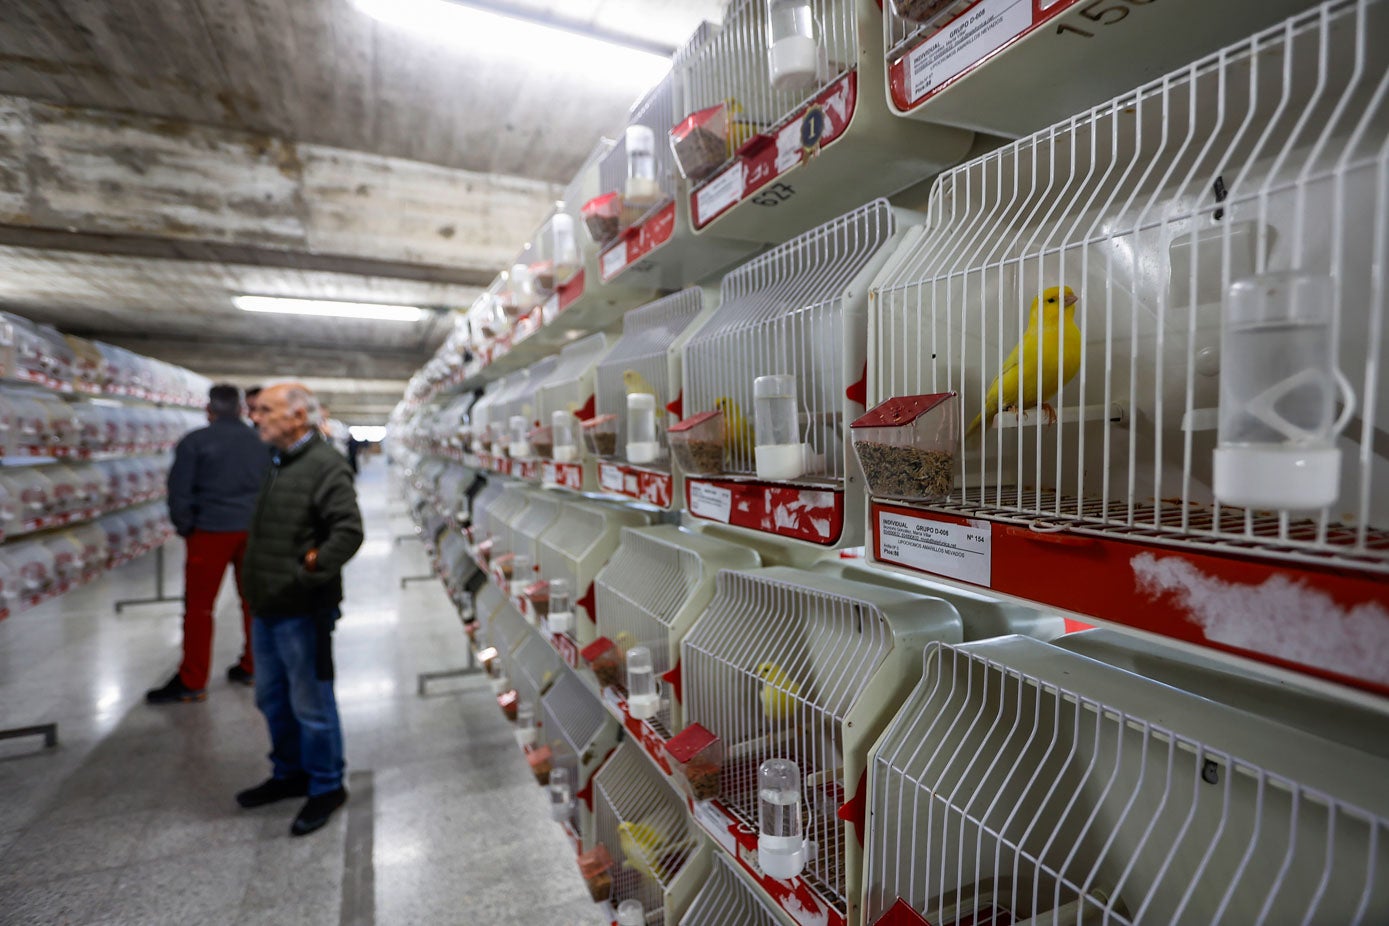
[636, 384]
[624, 641]
[737, 430]
[1051, 332]
[642, 844]
[779, 691]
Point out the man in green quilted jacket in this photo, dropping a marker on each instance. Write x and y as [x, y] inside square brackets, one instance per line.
[304, 529]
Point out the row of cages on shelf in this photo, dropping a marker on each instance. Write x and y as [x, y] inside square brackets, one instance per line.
[34, 498]
[790, 112]
[42, 424]
[40, 354]
[36, 569]
[725, 738]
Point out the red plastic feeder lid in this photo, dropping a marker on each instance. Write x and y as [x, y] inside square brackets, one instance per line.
[689, 743]
[595, 861]
[538, 590]
[598, 420]
[508, 698]
[694, 422]
[538, 756]
[900, 410]
[597, 648]
[608, 204]
[694, 120]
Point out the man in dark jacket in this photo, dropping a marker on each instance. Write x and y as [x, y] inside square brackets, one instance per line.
[304, 529]
[216, 474]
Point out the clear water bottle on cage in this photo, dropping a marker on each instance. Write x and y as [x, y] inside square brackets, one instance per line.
[520, 429]
[561, 616]
[793, 51]
[631, 913]
[779, 451]
[561, 795]
[642, 445]
[642, 189]
[566, 444]
[1279, 385]
[520, 574]
[525, 724]
[643, 690]
[781, 849]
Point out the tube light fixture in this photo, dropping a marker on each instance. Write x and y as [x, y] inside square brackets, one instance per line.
[582, 54]
[329, 309]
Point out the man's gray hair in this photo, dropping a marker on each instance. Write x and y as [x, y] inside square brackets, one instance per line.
[298, 396]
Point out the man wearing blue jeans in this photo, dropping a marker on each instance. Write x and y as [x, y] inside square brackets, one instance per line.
[305, 527]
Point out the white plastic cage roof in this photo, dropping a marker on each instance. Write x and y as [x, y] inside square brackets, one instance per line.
[480, 415]
[533, 666]
[568, 384]
[774, 668]
[573, 722]
[1022, 778]
[643, 356]
[573, 547]
[520, 396]
[539, 515]
[1267, 156]
[727, 898]
[735, 65]
[790, 311]
[646, 828]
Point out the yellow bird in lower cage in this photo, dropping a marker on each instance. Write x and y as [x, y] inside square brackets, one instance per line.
[737, 430]
[779, 691]
[642, 844]
[1052, 342]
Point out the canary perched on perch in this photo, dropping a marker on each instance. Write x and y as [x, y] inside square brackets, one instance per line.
[737, 430]
[642, 844]
[779, 691]
[1052, 342]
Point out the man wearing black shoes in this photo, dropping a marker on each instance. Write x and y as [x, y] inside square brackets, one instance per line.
[305, 528]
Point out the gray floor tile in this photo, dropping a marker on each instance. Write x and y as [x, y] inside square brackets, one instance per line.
[71, 901]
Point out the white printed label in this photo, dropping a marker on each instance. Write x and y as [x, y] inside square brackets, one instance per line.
[788, 147]
[710, 501]
[979, 32]
[609, 477]
[549, 474]
[719, 193]
[716, 824]
[614, 259]
[957, 551]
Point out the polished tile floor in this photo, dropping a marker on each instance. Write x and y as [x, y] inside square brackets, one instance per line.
[130, 820]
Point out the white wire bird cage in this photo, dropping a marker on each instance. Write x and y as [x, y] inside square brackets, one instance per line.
[487, 604]
[660, 858]
[799, 310]
[975, 63]
[483, 420]
[579, 735]
[1247, 182]
[646, 361]
[575, 548]
[501, 515]
[653, 590]
[791, 664]
[727, 896]
[811, 133]
[487, 497]
[532, 668]
[640, 167]
[563, 399]
[1023, 783]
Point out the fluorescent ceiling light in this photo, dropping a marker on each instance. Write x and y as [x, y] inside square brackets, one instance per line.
[538, 44]
[369, 432]
[329, 309]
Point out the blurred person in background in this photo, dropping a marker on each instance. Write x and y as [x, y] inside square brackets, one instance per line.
[252, 398]
[216, 474]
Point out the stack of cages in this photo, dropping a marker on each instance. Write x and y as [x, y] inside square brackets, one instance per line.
[563, 400]
[1192, 276]
[479, 533]
[489, 327]
[727, 896]
[649, 595]
[773, 378]
[517, 406]
[574, 550]
[576, 735]
[974, 63]
[487, 603]
[659, 857]
[532, 592]
[789, 88]
[639, 394]
[1109, 780]
[797, 672]
[482, 424]
[507, 632]
[644, 201]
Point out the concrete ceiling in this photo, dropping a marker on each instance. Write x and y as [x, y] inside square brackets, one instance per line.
[159, 156]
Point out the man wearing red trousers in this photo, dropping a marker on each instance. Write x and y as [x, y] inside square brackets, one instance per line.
[213, 484]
